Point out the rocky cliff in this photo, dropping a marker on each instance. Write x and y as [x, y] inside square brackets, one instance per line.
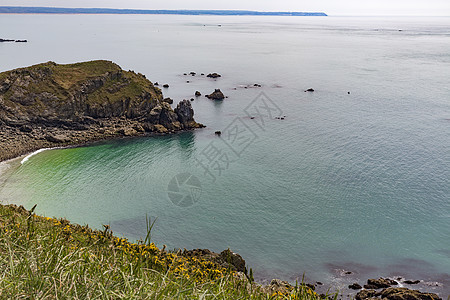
[52, 105]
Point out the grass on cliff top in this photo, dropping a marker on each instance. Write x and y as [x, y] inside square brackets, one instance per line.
[68, 78]
[45, 258]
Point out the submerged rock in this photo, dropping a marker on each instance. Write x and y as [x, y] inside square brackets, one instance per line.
[411, 281]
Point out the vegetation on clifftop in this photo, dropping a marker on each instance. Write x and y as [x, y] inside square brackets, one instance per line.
[46, 258]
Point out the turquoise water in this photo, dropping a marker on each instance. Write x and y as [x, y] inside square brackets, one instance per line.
[357, 182]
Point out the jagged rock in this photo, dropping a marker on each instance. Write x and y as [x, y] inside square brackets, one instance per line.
[160, 128]
[216, 95]
[213, 75]
[185, 114]
[226, 258]
[366, 294]
[233, 260]
[168, 100]
[167, 116]
[355, 286]
[407, 294]
[379, 283]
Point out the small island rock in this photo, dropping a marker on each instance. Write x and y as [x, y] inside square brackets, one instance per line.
[214, 75]
[216, 95]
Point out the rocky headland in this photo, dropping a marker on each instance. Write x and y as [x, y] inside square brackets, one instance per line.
[51, 105]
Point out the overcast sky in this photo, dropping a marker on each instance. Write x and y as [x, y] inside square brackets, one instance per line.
[332, 7]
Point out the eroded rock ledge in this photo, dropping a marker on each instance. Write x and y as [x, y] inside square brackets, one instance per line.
[50, 105]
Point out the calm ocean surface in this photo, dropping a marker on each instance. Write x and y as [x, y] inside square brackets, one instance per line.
[354, 182]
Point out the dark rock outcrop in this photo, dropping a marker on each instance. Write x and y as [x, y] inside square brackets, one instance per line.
[213, 75]
[379, 283]
[355, 286]
[197, 94]
[216, 95]
[310, 90]
[226, 258]
[407, 294]
[185, 115]
[366, 294]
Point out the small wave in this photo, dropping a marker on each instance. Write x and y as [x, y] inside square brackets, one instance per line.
[26, 158]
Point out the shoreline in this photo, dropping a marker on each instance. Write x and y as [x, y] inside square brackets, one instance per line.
[266, 281]
[318, 286]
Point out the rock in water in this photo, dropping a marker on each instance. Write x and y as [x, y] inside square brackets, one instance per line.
[216, 95]
[185, 115]
[379, 283]
[310, 90]
[407, 294]
[355, 286]
[213, 75]
[197, 94]
[366, 294]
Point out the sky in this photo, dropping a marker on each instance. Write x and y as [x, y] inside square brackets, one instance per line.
[331, 7]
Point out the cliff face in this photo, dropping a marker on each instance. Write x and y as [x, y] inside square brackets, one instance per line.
[49, 104]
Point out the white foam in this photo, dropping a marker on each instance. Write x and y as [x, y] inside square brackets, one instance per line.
[26, 158]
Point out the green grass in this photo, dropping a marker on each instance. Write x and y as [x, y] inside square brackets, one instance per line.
[45, 258]
[66, 80]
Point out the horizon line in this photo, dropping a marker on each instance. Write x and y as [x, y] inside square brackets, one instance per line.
[99, 10]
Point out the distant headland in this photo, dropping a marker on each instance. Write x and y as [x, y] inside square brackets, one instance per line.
[61, 10]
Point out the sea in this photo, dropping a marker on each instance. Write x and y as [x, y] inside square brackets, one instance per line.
[346, 183]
